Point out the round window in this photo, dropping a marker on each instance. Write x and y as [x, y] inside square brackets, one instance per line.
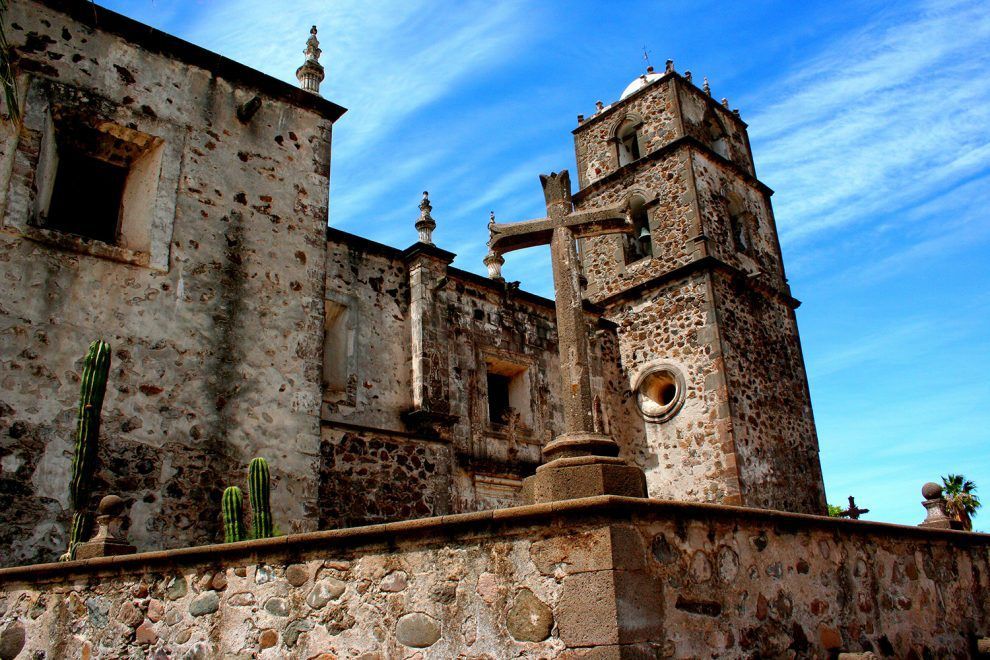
[660, 393]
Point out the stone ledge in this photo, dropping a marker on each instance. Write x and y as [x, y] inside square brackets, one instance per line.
[608, 508]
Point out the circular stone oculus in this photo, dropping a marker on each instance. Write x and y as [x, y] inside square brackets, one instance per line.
[660, 393]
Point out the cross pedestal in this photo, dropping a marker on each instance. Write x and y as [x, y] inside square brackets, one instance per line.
[580, 462]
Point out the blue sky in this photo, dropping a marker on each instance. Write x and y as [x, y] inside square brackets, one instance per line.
[870, 120]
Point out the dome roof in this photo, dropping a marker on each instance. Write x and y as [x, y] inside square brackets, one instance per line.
[639, 83]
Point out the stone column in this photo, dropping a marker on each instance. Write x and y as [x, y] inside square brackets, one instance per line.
[428, 338]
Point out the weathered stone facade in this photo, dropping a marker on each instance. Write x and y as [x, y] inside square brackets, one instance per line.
[599, 578]
[381, 384]
[710, 303]
[216, 321]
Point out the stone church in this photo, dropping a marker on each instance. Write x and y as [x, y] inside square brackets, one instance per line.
[460, 468]
[175, 204]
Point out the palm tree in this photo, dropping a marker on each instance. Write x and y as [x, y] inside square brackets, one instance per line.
[961, 501]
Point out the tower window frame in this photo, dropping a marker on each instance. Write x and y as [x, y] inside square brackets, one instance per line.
[628, 147]
[639, 244]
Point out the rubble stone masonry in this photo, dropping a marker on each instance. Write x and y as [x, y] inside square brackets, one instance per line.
[598, 578]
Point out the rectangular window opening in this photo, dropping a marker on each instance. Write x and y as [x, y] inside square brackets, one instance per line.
[498, 398]
[509, 400]
[337, 348]
[99, 183]
[86, 197]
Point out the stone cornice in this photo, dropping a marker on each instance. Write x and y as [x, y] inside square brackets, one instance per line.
[605, 509]
[671, 147]
[155, 41]
[668, 76]
[703, 263]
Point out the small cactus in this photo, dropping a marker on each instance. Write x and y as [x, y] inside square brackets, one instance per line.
[96, 369]
[233, 516]
[259, 490]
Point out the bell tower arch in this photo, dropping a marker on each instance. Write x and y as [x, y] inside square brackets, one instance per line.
[708, 337]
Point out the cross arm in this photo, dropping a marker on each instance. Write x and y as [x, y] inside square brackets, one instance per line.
[509, 236]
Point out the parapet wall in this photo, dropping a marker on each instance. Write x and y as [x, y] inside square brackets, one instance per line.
[602, 577]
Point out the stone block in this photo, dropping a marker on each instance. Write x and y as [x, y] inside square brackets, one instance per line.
[553, 482]
[610, 607]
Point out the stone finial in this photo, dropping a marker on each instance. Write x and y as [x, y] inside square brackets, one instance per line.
[936, 514]
[706, 87]
[493, 261]
[311, 73]
[580, 119]
[109, 540]
[725, 102]
[599, 106]
[670, 67]
[426, 224]
[687, 76]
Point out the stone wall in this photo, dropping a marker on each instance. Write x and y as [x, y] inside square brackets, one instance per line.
[599, 578]
[215, 322]
[404, 306]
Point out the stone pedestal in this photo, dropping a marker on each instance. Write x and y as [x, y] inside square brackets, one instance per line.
[109, 540]
[583, 465]
[935, 512]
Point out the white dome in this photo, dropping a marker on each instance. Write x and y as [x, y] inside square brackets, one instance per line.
[639, 83]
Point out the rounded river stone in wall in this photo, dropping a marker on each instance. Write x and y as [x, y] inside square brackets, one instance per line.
[297, 575]
[530, 619]
[12, 640]
[206, 603]
[277, 607]
[417, 630]
[323, 592]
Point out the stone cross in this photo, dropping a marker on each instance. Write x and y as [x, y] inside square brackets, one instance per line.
[579, 444]
[853, 512]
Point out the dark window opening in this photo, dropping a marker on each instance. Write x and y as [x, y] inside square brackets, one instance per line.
[628, 142]
[715, 133]
[498, 398]
[639, 244]
[740, 233]
[631, 143]
[86, 196]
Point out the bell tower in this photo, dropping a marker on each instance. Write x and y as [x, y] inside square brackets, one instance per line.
[720, 409]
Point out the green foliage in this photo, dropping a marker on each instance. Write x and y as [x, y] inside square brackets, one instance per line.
[233, 515]
[259, 492]
[96, 370]
[961, 501]
[834, 511]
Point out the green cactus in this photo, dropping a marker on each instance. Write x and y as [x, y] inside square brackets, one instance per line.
[96, 369]
[233, 515]
[258, 490]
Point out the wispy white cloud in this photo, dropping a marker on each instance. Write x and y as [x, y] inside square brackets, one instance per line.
[879, 121]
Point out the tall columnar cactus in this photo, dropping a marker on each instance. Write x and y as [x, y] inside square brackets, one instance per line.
[96, 369]
[258, 490]
[233, 515]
